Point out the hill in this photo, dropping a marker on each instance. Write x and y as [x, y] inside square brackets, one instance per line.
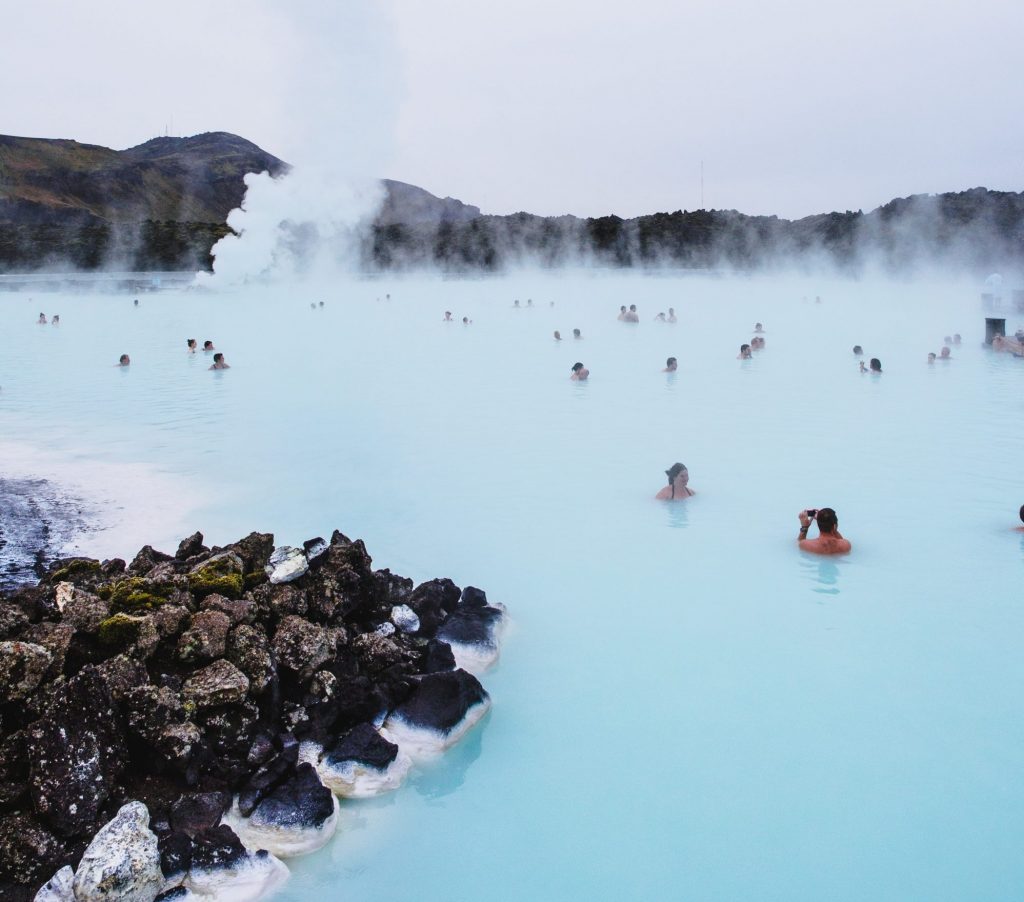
[162, 206]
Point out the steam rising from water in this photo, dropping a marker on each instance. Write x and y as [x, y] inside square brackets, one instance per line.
[341, 68]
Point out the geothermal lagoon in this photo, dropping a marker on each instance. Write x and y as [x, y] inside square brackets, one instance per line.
[686, 705]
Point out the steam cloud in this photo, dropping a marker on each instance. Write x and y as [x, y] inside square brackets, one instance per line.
[342, 73]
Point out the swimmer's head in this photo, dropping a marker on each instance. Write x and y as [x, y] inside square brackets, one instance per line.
[124, 360]
[575, 333]
[827, 519]
[207, 345]
[558, 335]
[675, 470]
[876, 365]
[858, 350]
[944, 352]
[671, 363]
[632, 307]
[577, 366]
[1022, 513]
[622, 309]
[190, 342]
[931, 356]
[218, 357]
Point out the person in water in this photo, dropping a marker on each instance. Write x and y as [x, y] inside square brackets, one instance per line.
[579, 372]
[136, 302]
[631, 315]
[448, 317]
[876, 365]
[124, 360]
[576, 333]
[622, 313]
[745, 353]
[956, 338]
[660, 318]
[218, 362]
[931, 357]
[677, 488]
[829, 540]
[191, 344]
[558, 336]
[516, 304]
[56, 319]
[944, 354]
[671, 315]
[671, 365]
[208, 346]
[466, 321]
[42, 319]
[757, 343]
[1011, 345]
[758, 327]
[858, 351]
[1021, 528]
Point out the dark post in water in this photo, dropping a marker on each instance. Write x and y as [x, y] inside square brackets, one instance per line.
[994, 327]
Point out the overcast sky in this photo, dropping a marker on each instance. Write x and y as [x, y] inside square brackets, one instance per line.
[552, 107]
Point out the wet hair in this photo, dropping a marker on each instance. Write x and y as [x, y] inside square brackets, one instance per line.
[577, 366]
[744, 347]
[207, 344]
[827, 520]
[1022, 513]
[857, 349]
[672, 472]
[189, 342]
[218, 357]
[632, 307]
[670, 361]
[123, 358]
[622, 309]
[576, 333]
[876, 365]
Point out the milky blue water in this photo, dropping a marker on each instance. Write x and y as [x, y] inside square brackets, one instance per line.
[687, 706]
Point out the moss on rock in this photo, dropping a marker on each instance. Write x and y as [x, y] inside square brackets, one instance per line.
[136, 594]
[120, 631]
[221, 574]
[76, 567]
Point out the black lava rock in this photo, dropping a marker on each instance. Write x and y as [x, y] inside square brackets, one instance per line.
[363, 745]
[440, 700]
[300, 801]
[76, 756]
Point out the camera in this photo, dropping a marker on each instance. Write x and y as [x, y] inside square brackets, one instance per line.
[812, 513]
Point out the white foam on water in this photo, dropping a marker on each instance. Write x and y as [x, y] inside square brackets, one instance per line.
[284, 842]
[422, 744]
[254, 878]
[353, 780]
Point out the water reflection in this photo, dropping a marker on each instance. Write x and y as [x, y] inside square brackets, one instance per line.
[675, 511]
[823, 571]
[436, 782]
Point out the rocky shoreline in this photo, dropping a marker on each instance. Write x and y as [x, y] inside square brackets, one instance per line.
[38, 520]
[174, 727]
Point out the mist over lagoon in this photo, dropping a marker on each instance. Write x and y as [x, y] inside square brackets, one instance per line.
[684, 699]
